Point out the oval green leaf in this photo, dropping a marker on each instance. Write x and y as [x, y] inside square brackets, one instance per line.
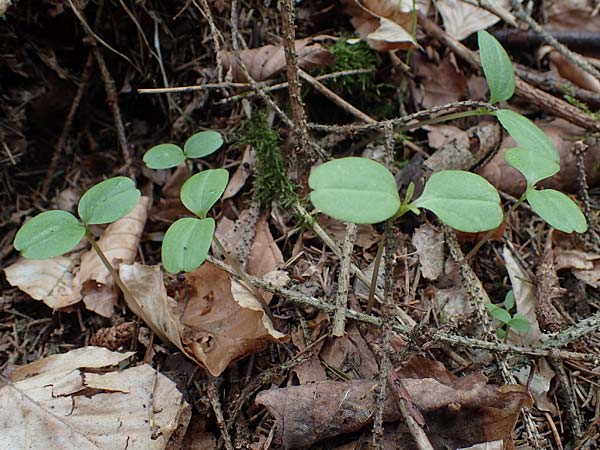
[499, 313]
[203, 144]
[108, 201]
[462, 200]
[509, 300]
[527, 134]
[497, 67]
[201, 191]
[354, 189]
[49, 234]
[164, 156]
[533, 165]
[519, 323]
[186, 244]
[557, 209]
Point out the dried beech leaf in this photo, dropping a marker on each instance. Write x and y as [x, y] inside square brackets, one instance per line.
[59, 403]
[222, 321]
[573, 73]
[429, 243]
[439, 83]
[458, 411]
[49, 280]
[265, 255]
[267, 61]
[462, 19]
[585, 266]
[366, 235]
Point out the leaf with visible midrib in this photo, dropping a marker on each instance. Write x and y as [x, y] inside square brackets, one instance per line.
[108, 201]
[354, 189]
[201, 191]
[557, 209]
[497, 67]
[49, 234]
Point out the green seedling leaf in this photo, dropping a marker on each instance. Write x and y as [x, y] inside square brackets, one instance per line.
[527, 134]
[49, 234]
[352, 189]
[108, 201]
[186, 244]
[557, 209]
[203, 144]
[519, 323]
[164, 156]
[500, 333]
[497, 67]
[534, 165]
[509, 300]
[201, 191]
[462, 200]
[499, 313]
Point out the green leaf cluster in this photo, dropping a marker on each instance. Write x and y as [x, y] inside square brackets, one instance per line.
[165, 156]
[501, 312]
[536, 157]
[53, 233]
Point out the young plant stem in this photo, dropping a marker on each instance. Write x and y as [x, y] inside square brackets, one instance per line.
[242, 276]
[375, 275]
[90, 237]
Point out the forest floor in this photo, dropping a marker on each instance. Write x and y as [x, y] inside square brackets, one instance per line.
[198, 360]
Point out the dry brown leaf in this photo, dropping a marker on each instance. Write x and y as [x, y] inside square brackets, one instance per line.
[64, 402]
[223, 321]
[265, 255]
[584, 266]
[241, 174]
[383, 24]
[563, 134]
[570, 71]
[462, 19]
[237, 236]
[458, 411]
[267, 61]
[429, 242]
[438, 83]
[366, 235]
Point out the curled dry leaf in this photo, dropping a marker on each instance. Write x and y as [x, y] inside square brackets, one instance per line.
[458, 411]
[59, 282]
[241, 174]
[585, 266]
[462, 19]
[267, 61]
[562, 134]
[384, 24]
[570, 71]
[80, 400]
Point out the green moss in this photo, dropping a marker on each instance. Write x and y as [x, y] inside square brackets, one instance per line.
[271, 182]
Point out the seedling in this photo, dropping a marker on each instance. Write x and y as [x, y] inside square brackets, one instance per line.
[165, 156]
[53, 233]
[517, 322]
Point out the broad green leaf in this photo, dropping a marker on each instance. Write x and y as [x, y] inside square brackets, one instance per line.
[186, 244]
[499, 313]
[202, 144]
[354, 189]
[509, 300]
[519, 323]
[108, 201]
[500, 333]
[497, 67]
[527, 134]
[164, 156]
[49, 234]
[462, 200]
[557, 209]
[201, 191]
[532, 164]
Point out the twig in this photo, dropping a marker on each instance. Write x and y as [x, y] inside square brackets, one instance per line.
[216, 35]
[495, 9]
[215, 402]
[575, 58]
[579, 148]
[341, 301]
[565, 387]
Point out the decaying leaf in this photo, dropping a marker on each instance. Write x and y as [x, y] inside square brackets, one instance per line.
[68, 279]
[429, 243]
[570, 71]
[563, 134]
[462, 19]
[439, 83]
[366, 235]
[585, 266]
[458, 411]
[267, 61]
[241, 174]
[80, 400]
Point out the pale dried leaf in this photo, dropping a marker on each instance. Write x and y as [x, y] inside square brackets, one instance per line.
[570, 71]
[539, 384]
[49, 280]
[366, 235]
[429, 242]
[462, 19]
[267, 61]
[439, 83]
[237, 237]
[241, 174]
[495, 445]
[43, 406]
[584, 266]
[265, 255]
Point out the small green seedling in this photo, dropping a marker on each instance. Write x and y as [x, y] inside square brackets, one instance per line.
[360, 190]
[518, 322]
[536, 156]
[165, 156]
[53, 233]
[187, 241]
